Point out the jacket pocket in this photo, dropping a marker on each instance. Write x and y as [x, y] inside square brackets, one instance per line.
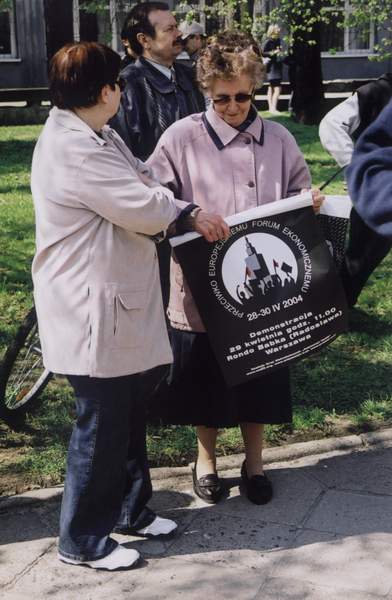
[128, 319]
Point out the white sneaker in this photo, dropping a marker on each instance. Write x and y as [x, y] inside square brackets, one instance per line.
[159, 526]
[119, 558]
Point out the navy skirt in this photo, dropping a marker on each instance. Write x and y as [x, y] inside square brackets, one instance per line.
[195, 392]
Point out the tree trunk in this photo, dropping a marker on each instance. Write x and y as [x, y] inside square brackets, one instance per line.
[59, 25]
[114, 25]
[306, 77]
[76, 20]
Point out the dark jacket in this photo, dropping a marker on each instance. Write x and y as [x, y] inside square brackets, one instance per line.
[372, 97]
[369, 175]
[274, 65]
[151, 102]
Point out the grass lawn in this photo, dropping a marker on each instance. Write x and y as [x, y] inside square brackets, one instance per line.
[345, 388]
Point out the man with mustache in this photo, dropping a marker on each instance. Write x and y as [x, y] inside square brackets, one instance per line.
[157, 91]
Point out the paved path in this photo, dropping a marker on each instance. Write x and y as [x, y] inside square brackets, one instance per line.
[326, 535]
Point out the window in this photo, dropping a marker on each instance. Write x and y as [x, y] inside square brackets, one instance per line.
[8, 47]
[338, 40]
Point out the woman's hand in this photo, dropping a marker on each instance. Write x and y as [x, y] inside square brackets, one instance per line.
[211, 226]
[317, 197]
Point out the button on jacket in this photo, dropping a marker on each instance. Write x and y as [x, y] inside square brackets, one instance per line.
[151, 102]
[95, 272]
[206, 161]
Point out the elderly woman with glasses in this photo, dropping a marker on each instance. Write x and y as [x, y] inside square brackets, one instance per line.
[100, 313]
[227, 159]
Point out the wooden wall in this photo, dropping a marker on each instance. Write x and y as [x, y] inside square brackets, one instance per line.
[30, 67]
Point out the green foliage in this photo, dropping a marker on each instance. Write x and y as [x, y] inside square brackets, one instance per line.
[46, 467]
[301, 19]
[377, 12]
[90, 6]
[231, 14]
[17, 226]
[171, 445]
[298, 17]
[5, 4]
[96, 6]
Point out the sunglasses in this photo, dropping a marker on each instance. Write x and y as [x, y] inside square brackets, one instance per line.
[225, 99]
[121, 83]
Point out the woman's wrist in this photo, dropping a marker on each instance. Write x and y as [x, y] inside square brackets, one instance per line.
[190, 219]
[187, 219]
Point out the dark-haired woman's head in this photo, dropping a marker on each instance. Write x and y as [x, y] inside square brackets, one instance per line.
[79, 72]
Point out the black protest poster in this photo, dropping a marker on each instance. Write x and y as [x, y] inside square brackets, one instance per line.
[269, 294]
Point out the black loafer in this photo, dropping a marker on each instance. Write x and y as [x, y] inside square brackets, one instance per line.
[208, 487]
[258, 488]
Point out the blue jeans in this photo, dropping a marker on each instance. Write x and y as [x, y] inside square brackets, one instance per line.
[108, 481]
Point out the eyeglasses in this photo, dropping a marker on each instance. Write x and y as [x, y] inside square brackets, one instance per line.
[225, 99]
[121, 83]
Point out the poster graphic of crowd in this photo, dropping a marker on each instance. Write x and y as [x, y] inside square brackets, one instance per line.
[259, 280]
[269, 294]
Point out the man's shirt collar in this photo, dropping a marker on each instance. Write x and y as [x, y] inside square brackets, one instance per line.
[161, 81]
[167, 71]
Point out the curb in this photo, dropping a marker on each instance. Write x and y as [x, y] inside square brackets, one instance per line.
[381, 439]
[363, 441]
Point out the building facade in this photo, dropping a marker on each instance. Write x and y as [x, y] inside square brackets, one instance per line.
[32, 30]
[23, 54]
[349, 53]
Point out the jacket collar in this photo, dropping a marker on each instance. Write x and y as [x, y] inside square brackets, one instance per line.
[222, 133]
[183, 56]
[159, 81]
[70, 120]
[167, 71]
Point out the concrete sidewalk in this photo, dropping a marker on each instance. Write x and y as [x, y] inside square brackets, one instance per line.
[327, 534]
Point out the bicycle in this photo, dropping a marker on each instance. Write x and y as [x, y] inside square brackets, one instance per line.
[23, 375]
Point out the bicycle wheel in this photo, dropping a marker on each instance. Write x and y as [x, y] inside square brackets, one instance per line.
[23, 375]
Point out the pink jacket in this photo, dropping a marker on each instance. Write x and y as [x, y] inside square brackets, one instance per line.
[204, 160]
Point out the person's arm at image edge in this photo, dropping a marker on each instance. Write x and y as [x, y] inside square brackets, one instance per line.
[336, 130]
[369, 176]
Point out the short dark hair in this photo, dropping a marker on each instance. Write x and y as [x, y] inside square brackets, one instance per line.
[137, 21]
[79, 71]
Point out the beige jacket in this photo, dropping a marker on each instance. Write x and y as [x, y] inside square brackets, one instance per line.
[95, 271]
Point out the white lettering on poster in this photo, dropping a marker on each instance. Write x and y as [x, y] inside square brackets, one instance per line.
[222, 300]
[284, 335]
[305, 255]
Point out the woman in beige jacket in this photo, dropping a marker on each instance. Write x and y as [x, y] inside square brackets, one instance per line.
[98, 300]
